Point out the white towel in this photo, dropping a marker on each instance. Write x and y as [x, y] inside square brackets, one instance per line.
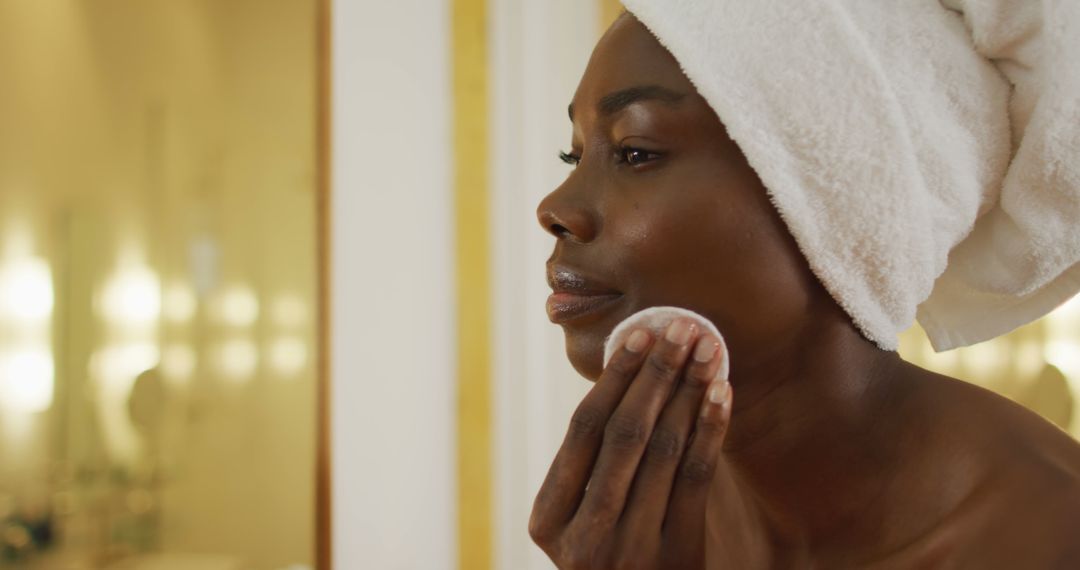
[656, 320]
[925, 154]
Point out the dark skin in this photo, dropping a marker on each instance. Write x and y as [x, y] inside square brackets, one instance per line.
[827, 452]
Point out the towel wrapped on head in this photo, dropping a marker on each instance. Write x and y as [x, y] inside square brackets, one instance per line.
[925, 154]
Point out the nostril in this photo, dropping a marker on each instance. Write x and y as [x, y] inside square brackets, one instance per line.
[559, 230]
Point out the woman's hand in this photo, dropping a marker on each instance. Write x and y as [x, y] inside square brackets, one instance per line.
[628, 487]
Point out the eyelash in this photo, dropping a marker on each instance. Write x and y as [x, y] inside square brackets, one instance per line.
[624, 156]
[572, 160]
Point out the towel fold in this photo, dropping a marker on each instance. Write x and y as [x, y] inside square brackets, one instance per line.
[925, 154]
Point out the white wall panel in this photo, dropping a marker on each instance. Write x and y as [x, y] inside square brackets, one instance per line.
[538, 50]
[392, 348]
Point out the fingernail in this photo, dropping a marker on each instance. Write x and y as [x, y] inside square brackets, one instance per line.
[637, 341]
[720, 392]
[680, 331]
[706, 350]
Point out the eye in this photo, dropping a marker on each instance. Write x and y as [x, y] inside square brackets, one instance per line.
[636, 156]
[571, 159]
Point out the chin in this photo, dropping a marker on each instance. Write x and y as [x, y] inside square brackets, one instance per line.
[586, 353]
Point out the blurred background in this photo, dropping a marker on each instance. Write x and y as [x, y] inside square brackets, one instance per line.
[157, 284]
[271, 285]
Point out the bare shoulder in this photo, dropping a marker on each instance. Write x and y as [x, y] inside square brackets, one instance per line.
[1026, 506]
[1007, 432]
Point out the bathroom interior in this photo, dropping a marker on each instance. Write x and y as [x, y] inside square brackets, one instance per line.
[160, 289]
[157, 284]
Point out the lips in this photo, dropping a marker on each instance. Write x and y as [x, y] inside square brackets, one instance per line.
[575, 296]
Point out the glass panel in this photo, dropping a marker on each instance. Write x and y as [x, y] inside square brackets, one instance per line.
[157, 284]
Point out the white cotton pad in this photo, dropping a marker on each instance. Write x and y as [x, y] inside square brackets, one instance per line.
[657, 319]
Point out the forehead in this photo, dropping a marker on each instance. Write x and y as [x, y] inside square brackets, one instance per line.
[627, 56]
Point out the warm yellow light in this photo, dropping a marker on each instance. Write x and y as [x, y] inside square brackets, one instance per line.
[1029, 359]
[178, 304]
[1064, 322]
[132, 297]
[238, 307]
[118, 365]
[288, 355]
[26, 380]
[178, 363]
[984, 360]
[26, 290]
[943, 362]
[289, 310]
[1065, 354]
[237, 359]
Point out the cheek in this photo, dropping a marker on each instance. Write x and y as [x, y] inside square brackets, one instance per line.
[717, 249]
[685, 233]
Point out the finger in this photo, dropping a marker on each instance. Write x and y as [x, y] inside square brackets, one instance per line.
[564, 485]
[630, 425]
[685, 516]
[652, 486]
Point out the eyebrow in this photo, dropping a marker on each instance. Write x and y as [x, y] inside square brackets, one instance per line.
[614, 102]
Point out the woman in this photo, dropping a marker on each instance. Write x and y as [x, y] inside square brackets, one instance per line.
[827, 450]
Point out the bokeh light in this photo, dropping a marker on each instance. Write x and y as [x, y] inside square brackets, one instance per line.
[178, 303]
[238, 307]
[132, 297]
[237, 360]
[26, 290]
[288, 356]
[27, 380]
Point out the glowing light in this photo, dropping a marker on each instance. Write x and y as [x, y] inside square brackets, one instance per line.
[238, 307]
[178, 304]
[944, 362]
[288, 355]
[115, 368]
[132, 297]
[289, 310]
[178, 362]
[984, 360]
[1065, 355]
[26, 290]
[1029, 359]
[119, 365]
[237, 359]
[1065, 320]
[26, 380]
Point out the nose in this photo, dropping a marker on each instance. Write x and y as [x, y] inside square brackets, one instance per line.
[566, 214]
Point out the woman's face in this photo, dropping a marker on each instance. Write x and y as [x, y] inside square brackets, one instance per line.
[663, 209]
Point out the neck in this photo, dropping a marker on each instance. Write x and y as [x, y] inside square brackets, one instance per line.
[807, 438]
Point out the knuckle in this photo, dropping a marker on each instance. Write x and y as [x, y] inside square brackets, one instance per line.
[603, 510]
[664, 364]
[623, 364]
[577, 559]
[586, 423]
[697, 470]
[579, 551]
[540, 531]
[665, 444]
[709, 426]
[699, 373]
[624, 431]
